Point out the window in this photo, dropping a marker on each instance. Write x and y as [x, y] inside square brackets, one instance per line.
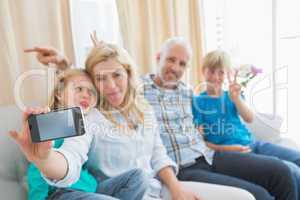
[288, 64]
[266, 34]
[90, 15]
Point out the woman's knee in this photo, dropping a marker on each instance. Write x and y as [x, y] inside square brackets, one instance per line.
[140, 177]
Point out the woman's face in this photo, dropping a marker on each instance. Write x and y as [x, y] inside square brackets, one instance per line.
[111, 80]
[80, 92]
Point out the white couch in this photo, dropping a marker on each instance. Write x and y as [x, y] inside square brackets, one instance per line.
[266, 127]
[13, 165]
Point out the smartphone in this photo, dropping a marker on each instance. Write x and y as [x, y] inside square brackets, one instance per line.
[56, 124]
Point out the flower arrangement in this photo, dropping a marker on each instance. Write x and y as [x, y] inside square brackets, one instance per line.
[247, 72]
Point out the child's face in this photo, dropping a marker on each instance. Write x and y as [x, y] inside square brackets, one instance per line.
[80, 92]
[214, 77]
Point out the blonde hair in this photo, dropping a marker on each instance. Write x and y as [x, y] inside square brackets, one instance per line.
[61, 83]
[130, 105]
[217, 59]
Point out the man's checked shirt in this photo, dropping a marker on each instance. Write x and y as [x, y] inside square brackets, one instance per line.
[173, 110]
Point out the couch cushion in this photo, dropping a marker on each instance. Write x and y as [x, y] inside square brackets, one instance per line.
[13, 164]
[266, 127]
[12, 190]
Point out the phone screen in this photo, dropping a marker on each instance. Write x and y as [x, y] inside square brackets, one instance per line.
[56, 125]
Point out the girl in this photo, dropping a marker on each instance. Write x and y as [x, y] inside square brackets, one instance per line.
[217, 114]
[73, 88]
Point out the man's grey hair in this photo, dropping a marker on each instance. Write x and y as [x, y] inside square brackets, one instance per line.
[176, 41]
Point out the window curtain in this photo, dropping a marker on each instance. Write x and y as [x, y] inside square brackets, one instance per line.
[27, 24]
[146, 24]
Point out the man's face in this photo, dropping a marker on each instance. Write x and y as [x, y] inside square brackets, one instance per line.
[172, 64]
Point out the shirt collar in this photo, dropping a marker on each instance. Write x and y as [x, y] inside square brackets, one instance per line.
[149, 81]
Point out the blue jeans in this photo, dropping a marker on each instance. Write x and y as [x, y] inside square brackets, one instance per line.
[290, 157]
[66, 193]
[267, 178]
[130, 185]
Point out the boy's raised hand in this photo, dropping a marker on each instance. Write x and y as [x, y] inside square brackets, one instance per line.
[234, 88]
[47, 55]
[32, 151]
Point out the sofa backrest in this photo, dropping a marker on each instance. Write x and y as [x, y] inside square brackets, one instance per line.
[266, 127]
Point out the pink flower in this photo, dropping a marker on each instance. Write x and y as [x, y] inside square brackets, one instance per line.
[256, 70]
[246, 73]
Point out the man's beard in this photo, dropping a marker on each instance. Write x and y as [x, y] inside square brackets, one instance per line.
[166, 82]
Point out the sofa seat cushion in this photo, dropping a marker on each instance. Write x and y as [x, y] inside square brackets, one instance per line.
[13, 165]
[12, 190]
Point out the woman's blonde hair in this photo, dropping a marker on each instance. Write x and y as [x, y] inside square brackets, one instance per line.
[217, 59]
[131, 106]
[61, 83]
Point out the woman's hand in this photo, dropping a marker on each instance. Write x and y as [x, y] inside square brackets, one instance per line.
[47, 55]
[33, 151]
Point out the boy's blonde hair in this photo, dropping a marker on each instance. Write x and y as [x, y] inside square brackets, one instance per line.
[61, 83]
[217, 59]
[131, 106]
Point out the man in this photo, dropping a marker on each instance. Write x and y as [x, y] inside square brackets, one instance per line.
[172, 102]
[266, 178]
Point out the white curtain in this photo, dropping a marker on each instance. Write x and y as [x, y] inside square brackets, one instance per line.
[26, 24]
[146, 24]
